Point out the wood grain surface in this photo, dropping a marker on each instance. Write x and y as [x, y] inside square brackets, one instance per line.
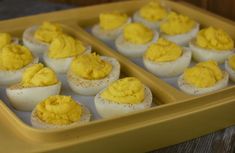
[222, 141]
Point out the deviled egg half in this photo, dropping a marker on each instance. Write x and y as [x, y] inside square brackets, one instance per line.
[110, 25]
[135, 39]
[59, 111]
[6, 39]
[123, 96]
[90, 73]
[203, 78]
[38, 37]
[13, 61]
[212, 44]
[230, 67]
[166, 59]
[61, 52]
[38, 83]
[179, 28]
[151, 15]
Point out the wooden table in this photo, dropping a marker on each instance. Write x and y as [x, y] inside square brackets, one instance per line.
[222, 141]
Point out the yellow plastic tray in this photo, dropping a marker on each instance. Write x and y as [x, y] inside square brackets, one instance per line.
[179, 117]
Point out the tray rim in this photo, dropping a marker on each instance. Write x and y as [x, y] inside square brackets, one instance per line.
[79, 30]
[72, 11]
[151, 109]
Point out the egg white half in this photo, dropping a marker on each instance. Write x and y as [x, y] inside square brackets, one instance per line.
[190, 89]
[61, 65]
[37, 47]
[38, 123]
[107, 108]
[133, 50]
[92, 87]
[14, 76]
[108, 35]
[171, 68]
[201, 54]
[230, 71]
[26, 98]
[182, 39]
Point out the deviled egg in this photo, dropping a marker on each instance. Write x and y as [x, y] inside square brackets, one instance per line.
[203, 78]
[212, 44]
[110, 25]
[6, 39]
[123, 96]
[166, 59]
[61, 52]
[179, 28]
[38, 37]
[38, 83]
[135, 39]
[13, 61]
[151, 14]
[59, 112]
[90, 73]
[230, 67]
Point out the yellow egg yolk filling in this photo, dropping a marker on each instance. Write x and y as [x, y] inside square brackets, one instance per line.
[125, 91]
[14, 57]
[65, 46]
[111, 21]
[47, 32]
[137, 33]
[177, 24]
[37, 76]
[212, 38]
[5, 39]
[59, 110]
[204, 74]
[153, 11]
[163, 51]
[231, 62]
[90, 66]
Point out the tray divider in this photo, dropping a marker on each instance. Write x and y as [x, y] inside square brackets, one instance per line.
[165, 92]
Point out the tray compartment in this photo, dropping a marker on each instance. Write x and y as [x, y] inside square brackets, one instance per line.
[126, 70]
[167, 124]
[205, 19]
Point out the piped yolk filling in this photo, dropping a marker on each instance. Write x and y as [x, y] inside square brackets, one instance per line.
[111, 21]
[47, 32]
[59, 110]
[177, 24]
[38, 75]
[163, 51]
[125, 91]
[153, 11]
[65, 46]
[214, 39]
[137, 33]
[14, 57]
[91, 67]
[204, 74]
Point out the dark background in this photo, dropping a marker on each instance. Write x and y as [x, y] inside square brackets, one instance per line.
[15, 8]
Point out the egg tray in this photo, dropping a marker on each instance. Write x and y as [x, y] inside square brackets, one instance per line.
[175, 118]
[139, 61]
